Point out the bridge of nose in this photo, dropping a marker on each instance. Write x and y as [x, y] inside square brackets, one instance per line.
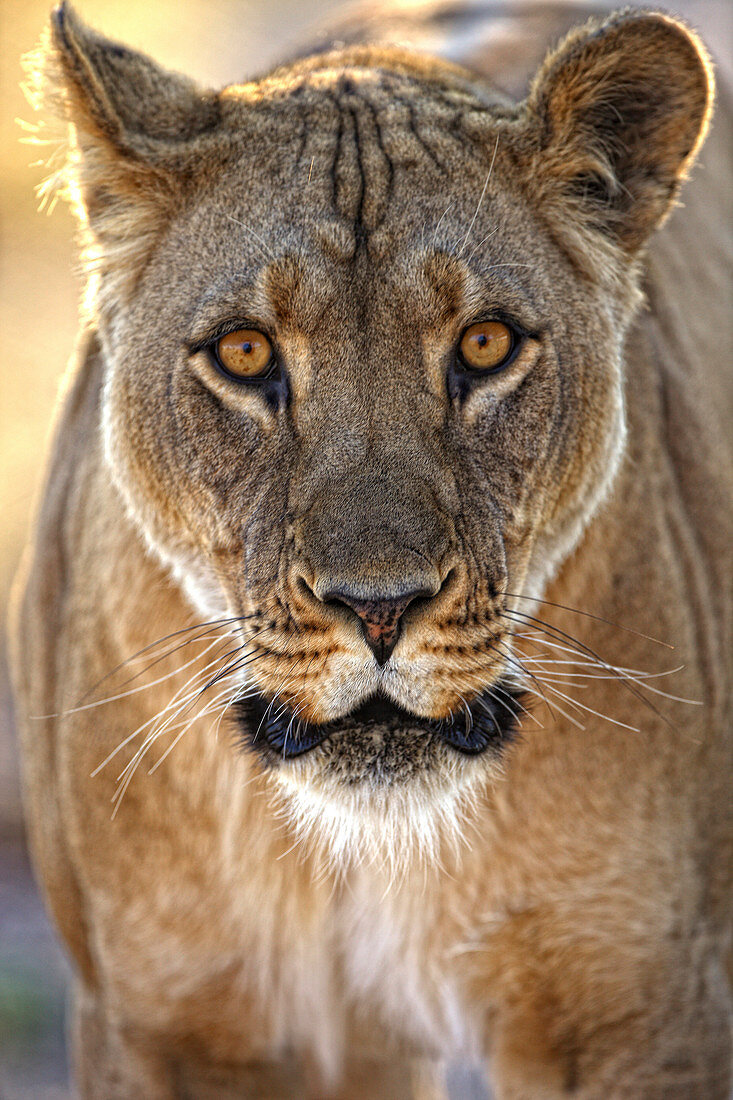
[374, 538]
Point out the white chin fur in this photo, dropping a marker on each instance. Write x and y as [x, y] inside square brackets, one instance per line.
[393, 827]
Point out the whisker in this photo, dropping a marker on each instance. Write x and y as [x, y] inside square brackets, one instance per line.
[509, 656]
[486, 711]
[126, 775]
[131, 736]
[166, 637]
[637, 676]
[581, 660]
[522, 616]
[590, 710]
[516, 702]
[481, 198]
[208, 709]
[175, 649]
[283, 684]
[176, 707]
[555, 706]
[440, 219]
[640, 680]
[588, 615]
[141, 687]
[476, 247]
[183, 695]
[264, 247]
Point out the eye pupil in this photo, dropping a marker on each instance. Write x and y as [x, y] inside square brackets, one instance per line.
[244, 353]
[487, 346]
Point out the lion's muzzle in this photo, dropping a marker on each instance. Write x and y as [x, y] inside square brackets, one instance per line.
[381, 619]
[370, 545]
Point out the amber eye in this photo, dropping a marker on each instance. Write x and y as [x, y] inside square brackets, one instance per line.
[487, 345]
[245, 353]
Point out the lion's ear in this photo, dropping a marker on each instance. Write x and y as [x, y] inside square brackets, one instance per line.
[619, 111]
[133, 128]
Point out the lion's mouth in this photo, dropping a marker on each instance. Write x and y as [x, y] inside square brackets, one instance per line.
[486, 724]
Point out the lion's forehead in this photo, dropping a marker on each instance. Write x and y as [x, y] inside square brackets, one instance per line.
[305, 266]
[364, 203]
[359, 144]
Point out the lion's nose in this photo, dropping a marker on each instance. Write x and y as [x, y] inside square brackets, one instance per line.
[380, 618]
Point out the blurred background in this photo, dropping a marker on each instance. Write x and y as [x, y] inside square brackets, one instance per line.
[217, 42]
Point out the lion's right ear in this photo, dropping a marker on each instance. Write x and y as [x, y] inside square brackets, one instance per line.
[618, 112]
[132, 126]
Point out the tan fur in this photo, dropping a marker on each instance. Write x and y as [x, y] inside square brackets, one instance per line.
[354, 920]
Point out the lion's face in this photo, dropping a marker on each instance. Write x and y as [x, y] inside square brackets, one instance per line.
[370, 505]
[373, 485]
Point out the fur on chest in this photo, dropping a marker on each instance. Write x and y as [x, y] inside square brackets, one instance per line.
[367, 965]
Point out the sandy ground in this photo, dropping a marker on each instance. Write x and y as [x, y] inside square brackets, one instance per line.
[217, 41]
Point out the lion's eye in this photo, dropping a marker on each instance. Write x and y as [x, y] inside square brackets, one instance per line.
[245, 353]
[487, 345]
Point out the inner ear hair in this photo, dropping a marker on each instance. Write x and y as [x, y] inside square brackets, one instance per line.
[125, 95]
[618, 113]
[133, 131]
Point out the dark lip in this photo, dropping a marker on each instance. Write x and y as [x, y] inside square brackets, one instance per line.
[490, 722]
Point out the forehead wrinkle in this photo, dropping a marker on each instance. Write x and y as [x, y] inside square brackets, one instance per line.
[407, 118]
[358, 132]
[365, 140]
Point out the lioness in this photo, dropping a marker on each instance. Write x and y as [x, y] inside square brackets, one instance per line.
[373, 485]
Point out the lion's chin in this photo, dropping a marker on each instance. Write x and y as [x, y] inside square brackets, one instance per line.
[381, 785]
[379, 741]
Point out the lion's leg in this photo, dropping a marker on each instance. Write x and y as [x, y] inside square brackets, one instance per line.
[362, 1079]
[110, 1065]
[636, 1067]
[113, 1065]
[661, 1032]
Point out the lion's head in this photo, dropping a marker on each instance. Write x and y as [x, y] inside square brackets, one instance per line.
[363, 323]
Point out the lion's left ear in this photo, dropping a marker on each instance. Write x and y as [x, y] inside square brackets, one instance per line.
[134, 130]
[618, 112]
